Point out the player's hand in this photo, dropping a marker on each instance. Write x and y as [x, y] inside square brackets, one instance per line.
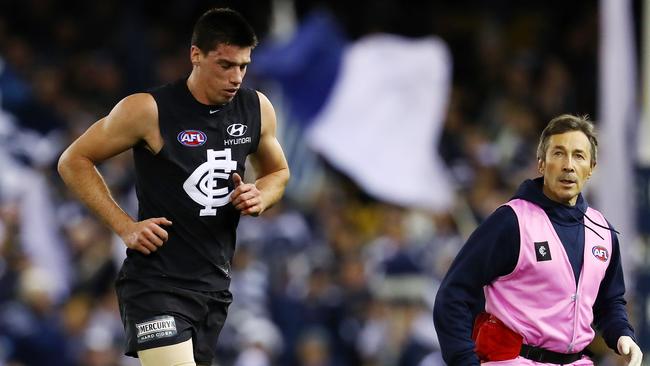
[629, 350]
[246, 197]
[147, 235]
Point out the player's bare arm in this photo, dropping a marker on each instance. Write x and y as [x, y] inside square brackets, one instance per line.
[132, 120]
[270, 166]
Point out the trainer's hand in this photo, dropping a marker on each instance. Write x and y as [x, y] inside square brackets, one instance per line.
[629, 350]
[147, 235]
[246, 197]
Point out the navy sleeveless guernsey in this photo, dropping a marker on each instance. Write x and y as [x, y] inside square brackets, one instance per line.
[189, 182]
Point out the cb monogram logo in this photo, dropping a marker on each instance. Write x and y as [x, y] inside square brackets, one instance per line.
[201, 185]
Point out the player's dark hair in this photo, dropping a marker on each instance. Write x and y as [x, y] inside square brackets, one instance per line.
[222, 26]
[567, 123]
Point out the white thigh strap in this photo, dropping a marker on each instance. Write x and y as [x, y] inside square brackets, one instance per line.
[180, 354]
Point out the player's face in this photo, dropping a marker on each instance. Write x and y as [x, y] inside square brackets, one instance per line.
[222, 70]
[566, 167]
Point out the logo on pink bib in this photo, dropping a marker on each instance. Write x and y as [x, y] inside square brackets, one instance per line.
[600, 253]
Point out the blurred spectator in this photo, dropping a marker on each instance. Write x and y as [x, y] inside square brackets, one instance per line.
[314, 348]
[260, 342]
[32, 324]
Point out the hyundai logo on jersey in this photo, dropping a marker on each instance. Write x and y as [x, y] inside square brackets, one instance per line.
[236, 129]
[600, 253]
[192, 138]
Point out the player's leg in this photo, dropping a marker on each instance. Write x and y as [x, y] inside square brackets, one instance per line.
[180, 354]
[158, 318]
[207, 331]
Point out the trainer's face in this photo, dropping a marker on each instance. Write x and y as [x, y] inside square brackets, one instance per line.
[221, 70]
[566, 167]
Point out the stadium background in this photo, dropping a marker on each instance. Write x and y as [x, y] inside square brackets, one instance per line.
[344, 270]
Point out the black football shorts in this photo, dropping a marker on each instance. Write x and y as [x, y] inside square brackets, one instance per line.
[156, 314]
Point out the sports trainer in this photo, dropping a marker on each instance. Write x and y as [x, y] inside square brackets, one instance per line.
[548, 265]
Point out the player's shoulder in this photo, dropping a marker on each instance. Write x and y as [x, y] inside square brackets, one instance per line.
[136, 105]
[138, 100]
[137, 110]
[265, 103]
[264, 100]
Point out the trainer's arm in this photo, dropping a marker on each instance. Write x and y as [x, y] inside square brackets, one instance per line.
[130, 122]
[491, 251]
[610, 314]
[270, 167]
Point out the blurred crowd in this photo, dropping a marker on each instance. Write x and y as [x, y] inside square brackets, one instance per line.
[330, 276]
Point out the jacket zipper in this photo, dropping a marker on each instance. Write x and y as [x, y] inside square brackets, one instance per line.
[575, 298]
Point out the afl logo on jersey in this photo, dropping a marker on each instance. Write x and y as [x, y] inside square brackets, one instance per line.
[236, 129]
[600, 253]
[192, 138]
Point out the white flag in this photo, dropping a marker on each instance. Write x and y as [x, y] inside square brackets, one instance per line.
[383, 120]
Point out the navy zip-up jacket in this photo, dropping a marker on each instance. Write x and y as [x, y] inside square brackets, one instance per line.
[493, 250]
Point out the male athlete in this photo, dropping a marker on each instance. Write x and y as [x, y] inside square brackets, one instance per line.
[190, 141]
